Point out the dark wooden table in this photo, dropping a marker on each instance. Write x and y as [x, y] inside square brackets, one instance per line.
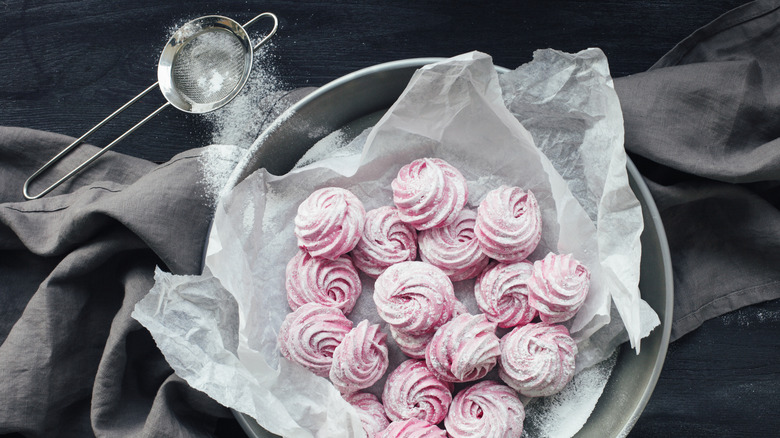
[64, 65]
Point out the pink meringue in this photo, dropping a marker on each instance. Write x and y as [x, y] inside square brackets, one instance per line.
[502, 293]
[412, 345]
[310, 334]
[537, 359]
[332, 283]
[370, 410]
[464, 349]
[414, 297]
[413, 391]
[454, 248]
[487, 409]
[429, 193]
[559, 287]
[411, 428]
[360, 360]
[386, 241]
[509, 224]
[329, 222]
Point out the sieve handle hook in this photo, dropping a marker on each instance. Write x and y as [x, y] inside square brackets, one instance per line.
[270, 33]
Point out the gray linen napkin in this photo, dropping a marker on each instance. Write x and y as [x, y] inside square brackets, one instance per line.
[73, 265]
[702, 125]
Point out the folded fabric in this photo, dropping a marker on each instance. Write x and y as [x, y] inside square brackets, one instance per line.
[703, 127]
[73, 264]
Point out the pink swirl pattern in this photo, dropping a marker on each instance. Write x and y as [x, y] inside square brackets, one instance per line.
[558, 287]
[509, 224]
[411, 428]
[413, 391]
[412, 346]
[414, 297]
[370, 410]
[310, 334]
[360, 360]
[429, 193]
[329, 222]
[332, 283]
[386, 241]
[537, 359]
[502, 293]
[487, 409]
[464, 349]
[454, 248]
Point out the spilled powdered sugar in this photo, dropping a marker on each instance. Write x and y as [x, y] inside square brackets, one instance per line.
[564, 414]
[236, 125]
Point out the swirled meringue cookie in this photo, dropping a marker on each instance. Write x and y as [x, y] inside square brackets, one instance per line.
[414, 297]
[509, 224]
[411, 428]
[329, 222]
[310, 334]
[386, 241]
[370, 410]
[429, 193]
[537, 359]
[413, 391]
[502, 293]
[559, 287]
[412, 345]
[454, 248]
[464, 349]
[332, 283]
[360, 359]
[486, 409]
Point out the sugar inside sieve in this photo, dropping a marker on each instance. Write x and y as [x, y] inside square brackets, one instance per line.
[204, 65]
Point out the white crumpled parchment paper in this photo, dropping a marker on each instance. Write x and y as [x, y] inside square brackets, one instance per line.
[218, 330]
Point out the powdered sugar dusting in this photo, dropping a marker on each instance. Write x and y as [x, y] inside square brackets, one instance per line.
[329, 146]
[565, 413]
[248, 219]
[750, 316]
[236, 126]
[217, 162]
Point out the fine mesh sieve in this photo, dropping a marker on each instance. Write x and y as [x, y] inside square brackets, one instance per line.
[204, 65]
[220, 56]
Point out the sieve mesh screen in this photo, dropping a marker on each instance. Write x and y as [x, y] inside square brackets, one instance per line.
[210, 66]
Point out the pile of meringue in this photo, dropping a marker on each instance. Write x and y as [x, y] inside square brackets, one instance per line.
[416, 299]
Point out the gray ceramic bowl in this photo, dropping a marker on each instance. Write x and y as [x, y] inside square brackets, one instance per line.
[357, 101]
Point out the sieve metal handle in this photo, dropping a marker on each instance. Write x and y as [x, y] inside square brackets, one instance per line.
[98, 154]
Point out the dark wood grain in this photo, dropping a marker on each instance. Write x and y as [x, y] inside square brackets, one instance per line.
[64, 65]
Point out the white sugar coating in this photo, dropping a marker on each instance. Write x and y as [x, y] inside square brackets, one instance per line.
[565, 413]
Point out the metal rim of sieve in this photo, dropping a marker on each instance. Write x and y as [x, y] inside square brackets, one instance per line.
[185, 37]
